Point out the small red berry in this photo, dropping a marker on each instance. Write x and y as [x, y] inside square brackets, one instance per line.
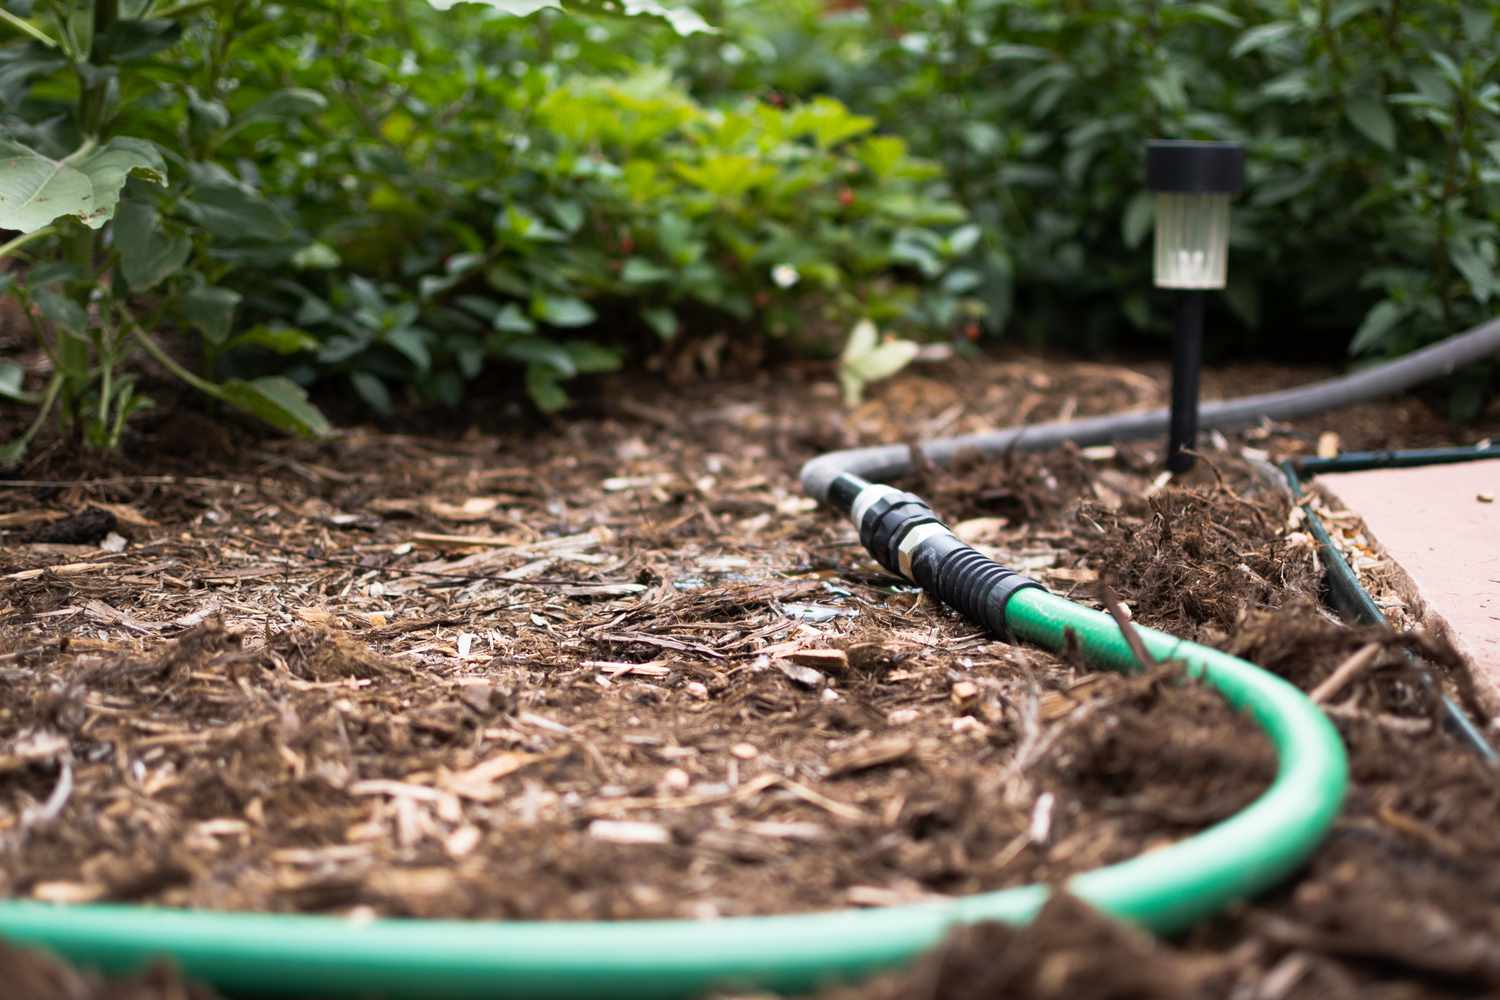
[846, 197]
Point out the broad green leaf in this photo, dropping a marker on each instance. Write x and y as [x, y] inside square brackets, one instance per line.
[1477, 267]
[1140, 213]
[373, 391]
[1199, 12]
[982, 137]
[662, 320]
[537, 351]
[883, 155]
[211, 311]
[919, 248]
[1369, 114]
[235, 212]
[21, 66]
[1025, 53]
[134, 39]
[35, 189]
[62, 311]
[1261, 36]
[341, 348]
[543, 388]
[279, 402]
[828, 122]
[589, 357]
[1479, 21]
[277, 339]
[12, 377]
[640, 271]
[294, 102]
[561, 310]
[866, 359]
[148, 255]
[1347, 10]
[411, 343]
[110, 165]
[510, 319]
[726, 175]
[516, 8]
[569, 215]
[963, 239]
[316, 257]
[1377, 325]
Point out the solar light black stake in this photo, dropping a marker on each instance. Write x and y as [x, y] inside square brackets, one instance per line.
[1193, 182]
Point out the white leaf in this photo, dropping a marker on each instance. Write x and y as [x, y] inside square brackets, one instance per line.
[682, 20]
[866, 360]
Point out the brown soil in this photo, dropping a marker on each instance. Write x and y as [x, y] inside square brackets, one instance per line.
[620, 668]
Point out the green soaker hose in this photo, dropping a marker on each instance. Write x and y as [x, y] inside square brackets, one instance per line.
[1165, 890]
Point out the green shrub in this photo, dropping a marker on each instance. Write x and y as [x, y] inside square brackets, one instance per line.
[573, 211]
[1373, 130]
[400, 199]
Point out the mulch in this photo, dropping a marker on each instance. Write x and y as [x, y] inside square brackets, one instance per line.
[618, 667]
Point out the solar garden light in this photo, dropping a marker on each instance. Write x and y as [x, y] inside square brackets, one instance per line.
[1193, 182]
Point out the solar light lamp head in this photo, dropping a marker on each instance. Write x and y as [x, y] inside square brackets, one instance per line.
[1193, 182]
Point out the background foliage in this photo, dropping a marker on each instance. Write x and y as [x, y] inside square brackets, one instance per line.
[1372, 217]
[395, 200]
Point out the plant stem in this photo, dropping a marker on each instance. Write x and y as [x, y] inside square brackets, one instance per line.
[170, 364]
[93, 98]
[20, 241]
[17, 448]
[27, 28]
[36, 328]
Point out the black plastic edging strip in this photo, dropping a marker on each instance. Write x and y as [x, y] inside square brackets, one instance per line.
[1349, 596]
[1358, 461]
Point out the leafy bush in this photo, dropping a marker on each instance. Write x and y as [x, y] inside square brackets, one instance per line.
[1373, 131]
[395, 197]
[565, 199]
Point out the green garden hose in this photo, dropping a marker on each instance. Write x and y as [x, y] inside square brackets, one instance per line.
[248, 954]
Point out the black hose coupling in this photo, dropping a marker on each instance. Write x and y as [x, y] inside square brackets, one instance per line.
[887, 522]
[908, 539]
[967, 580]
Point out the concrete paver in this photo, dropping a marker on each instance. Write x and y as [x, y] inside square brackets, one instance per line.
[1441, 525]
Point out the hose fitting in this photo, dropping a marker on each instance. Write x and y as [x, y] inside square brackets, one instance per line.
[903, 534]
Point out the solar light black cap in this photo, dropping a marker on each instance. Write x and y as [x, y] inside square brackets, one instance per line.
[1188, 167]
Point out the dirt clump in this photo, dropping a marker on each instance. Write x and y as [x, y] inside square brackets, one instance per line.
[1069, 952]
[30, 974]
[1194, 559]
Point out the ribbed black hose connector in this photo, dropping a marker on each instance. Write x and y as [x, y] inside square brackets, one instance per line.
[888, 521]
[967, 580]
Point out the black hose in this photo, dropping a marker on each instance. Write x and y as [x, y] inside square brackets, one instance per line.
[883, 462]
